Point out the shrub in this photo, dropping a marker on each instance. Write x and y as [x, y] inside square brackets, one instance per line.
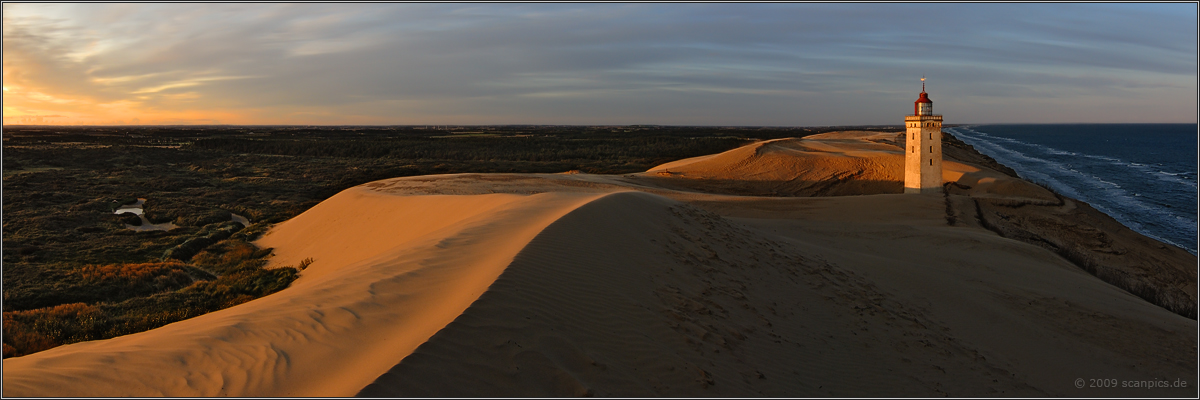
[187, 249]
[231, 255]
[131, 219]
[160, 210]
[260, 253]
[134, 274]
[95, 283]
[258, 282]
[252, 232]
[203, 218]
[225, 252]
[36, 330]
[210, 234]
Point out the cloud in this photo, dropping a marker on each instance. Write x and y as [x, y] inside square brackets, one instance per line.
[755, 64]
[186, 83]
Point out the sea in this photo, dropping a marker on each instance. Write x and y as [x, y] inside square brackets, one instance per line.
[1143, 175]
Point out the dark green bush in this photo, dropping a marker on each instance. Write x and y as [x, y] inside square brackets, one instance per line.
[35, 330]
[131, 219]
[208, 235]
[252, 232]
[189, 248]
[97, 283]
[32, 331]
[204, 217]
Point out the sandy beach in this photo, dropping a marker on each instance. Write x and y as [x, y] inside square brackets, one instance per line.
[790, 267]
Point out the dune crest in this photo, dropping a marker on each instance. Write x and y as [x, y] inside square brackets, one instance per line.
[389, 273]
[831, 164]
[793, 167]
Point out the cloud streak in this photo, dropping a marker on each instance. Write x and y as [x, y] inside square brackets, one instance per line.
[724, 64]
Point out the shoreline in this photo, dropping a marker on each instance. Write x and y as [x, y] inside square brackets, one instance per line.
[1152, 269]
[1156, 216]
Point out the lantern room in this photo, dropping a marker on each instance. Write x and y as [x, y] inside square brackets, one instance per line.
[923, 106]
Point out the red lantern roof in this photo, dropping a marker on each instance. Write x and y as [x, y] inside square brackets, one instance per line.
[924, 98]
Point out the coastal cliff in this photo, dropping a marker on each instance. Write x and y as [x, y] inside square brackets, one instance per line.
[1158, 272]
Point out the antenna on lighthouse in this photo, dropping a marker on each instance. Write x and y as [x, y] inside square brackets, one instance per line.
[922, 83]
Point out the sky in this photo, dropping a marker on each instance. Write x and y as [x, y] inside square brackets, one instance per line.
[806, 64]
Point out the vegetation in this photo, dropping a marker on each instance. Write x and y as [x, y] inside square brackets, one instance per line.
[73, 272]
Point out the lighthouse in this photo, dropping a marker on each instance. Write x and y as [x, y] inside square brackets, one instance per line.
[923, 155]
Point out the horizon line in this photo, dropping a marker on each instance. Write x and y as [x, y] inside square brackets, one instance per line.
[575, 125]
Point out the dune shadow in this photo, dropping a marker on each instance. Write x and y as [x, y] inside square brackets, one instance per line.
[845, 185]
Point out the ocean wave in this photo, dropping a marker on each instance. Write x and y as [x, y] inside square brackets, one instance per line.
[1061, 152]
[1140, 167]
[1106, 196]
[1164, 175]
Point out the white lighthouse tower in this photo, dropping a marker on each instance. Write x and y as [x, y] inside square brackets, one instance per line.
[923, 157]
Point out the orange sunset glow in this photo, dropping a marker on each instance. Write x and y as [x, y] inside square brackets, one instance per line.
[146, 106]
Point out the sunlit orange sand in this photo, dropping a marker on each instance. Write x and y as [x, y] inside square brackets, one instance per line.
[679, 281]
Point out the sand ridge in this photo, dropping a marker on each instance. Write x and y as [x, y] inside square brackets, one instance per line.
[680, 281]
[384, 289]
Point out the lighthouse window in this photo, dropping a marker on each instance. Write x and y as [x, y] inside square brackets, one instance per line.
[931, 149]
[930, 161]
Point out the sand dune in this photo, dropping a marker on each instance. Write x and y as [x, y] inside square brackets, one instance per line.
[674, 282]
[792, 167]
[390, 271]
[635, 295]
[830, 164]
